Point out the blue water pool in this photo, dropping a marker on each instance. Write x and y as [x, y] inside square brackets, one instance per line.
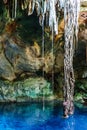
[35, 116]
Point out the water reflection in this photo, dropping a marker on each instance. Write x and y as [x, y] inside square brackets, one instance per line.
[31, 116]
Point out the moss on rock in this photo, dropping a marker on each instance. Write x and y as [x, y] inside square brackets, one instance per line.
[25, 90]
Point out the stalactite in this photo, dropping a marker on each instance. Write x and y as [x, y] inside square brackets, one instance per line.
[49, 7]
[77, 10]
[13, 7]
[31, 6]
[61, 3]
[15, 14]
[52, 16]
[23, 4]
[5, 1]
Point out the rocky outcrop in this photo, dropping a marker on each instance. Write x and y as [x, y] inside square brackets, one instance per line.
[16, 59]
[25, 90]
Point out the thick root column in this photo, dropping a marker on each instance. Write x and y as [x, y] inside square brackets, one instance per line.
[70, 17]
[68, 92]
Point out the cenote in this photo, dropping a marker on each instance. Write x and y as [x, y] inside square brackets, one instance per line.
[43, 57]
[32, 116]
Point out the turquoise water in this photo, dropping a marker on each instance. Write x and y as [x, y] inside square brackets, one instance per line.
[35, 116]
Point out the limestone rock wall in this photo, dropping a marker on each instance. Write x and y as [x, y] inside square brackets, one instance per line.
[31, 89]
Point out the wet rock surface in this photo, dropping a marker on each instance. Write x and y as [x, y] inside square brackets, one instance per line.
[30, 89]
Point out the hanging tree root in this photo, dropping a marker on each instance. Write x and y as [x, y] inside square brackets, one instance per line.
[71, 12]
[68, 94]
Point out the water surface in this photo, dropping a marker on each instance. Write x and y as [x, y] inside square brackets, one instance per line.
[35, 116]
